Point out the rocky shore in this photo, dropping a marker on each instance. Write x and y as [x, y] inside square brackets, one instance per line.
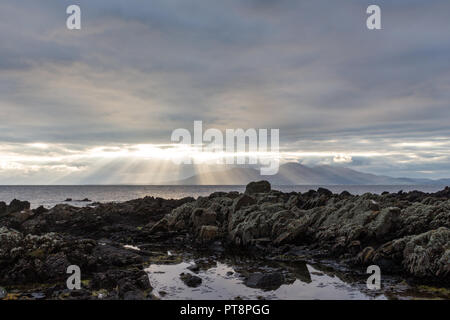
[406, 234]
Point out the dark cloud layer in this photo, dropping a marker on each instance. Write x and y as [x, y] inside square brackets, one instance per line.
[139, 69]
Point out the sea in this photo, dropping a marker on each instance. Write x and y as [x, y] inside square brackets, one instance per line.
[49, 196]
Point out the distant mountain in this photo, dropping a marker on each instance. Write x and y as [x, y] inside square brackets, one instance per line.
[441, 182]
[297, 174]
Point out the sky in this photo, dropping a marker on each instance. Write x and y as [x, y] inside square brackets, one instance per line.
[98, 105]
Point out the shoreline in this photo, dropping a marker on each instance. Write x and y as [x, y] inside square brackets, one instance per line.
[49, 196]
[407, 234]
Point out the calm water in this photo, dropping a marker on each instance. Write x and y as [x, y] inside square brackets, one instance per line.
[223, 282]
[49, 196]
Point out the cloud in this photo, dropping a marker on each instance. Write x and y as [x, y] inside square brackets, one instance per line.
[138, 70]
[342, 158]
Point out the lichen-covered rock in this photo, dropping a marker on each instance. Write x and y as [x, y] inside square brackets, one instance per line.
[208, 234]
[203, 217]
[428, 254]
[405, 232]
[371, 228]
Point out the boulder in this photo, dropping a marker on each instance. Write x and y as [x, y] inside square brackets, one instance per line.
[324, 192]
[267, 281]
[208, 233]
[3, 293]
[190, 280]
[17, 206]
[428, 254]
[3, 208]
[203, 217]
[258, 187]
[243, 201]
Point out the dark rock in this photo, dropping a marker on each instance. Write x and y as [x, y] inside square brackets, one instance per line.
[3, 208]
[3, 293]
[258, 187]
[68, 200]
[17, 206]
[191, 280]
[373, 205]
[345, 193]
[57, 264]
[243, 201]
[40, 210]
[267, 281]
[203, 217]
[443, 193]
[401, 232]
[208, 234]
[194, 268]
[218, 194]
[160, 226]
[125, 280]
[133, 295]
[325, 192]
[233, 194]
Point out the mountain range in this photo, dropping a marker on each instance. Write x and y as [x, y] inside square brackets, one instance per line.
[298, 174]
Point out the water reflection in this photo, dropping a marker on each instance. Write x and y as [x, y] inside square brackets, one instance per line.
[229, 280]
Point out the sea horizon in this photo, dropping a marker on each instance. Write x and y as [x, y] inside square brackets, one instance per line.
[51, 195]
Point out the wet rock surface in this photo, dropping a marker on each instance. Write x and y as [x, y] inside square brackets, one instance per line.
[191, 280]
[268, 281]
[406, 234]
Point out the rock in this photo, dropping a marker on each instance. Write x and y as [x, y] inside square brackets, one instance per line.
[384, 222]
[194, 268]
[267, 281]
[203, 217]
[243, 201]
[17, 206]
[258, 187]
[21, 216]
[345, 193]
[40, 210]
[373, 205]
[428, 254]
[160, 226]
[3, 293]
[3, 208]
[295, 200]
[405, 233]
[191, 280]
[444, 193]
[208, 233]
[366, 255]
[325, 192]
[38, 295]
[127, 280]
[57, 264]
[233, 194]
[68, 200]
[86, 200]
[134, 295]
